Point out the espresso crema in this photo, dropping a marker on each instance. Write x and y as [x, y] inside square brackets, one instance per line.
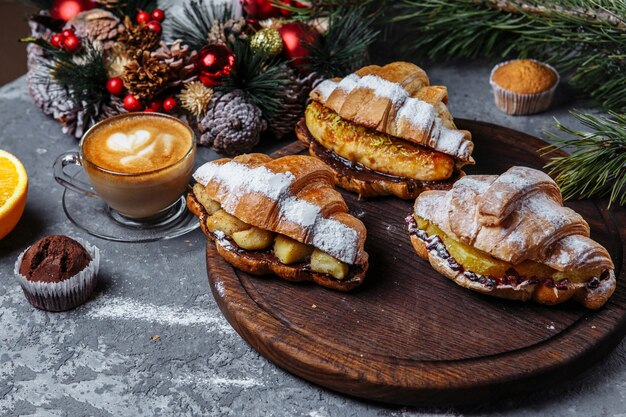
[134, 145]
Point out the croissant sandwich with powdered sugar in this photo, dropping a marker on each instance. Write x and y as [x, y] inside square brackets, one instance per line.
[280, 216]
[510, 236]
[386, 131]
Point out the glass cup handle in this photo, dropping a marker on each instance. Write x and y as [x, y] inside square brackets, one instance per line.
[69, 182]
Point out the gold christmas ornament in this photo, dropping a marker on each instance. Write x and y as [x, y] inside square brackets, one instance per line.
[195, 97]
[267, 41]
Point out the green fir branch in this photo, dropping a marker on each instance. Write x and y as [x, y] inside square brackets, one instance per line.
[192, 23]
[582, 39]
[344, 47]
[597, 168]
[83, 73]
[262, 78]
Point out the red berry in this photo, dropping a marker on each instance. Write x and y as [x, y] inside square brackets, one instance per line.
[170, 105]
[142, 17]
[57, 40]
[115, 86]
[131, 103]
[158, 15]
[154, 25]
[155, 105]
[71, 43]
[68, 32]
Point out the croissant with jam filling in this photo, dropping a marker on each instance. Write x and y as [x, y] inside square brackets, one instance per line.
[280, 216]
[386, 131]
[510, 236]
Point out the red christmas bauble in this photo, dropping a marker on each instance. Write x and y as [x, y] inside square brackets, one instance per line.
[56, 40]
[170, 105]
[213, 63]
[264, 9]
[297, 38]
[154, 25]
[132, 103]
[155, 105]
[158, 15]
[67, 9]
[71, 43]
[115, 86]
[143, 17]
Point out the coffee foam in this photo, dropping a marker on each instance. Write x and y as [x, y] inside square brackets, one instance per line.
[137, 144]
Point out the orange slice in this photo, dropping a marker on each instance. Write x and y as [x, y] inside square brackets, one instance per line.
[13, 188]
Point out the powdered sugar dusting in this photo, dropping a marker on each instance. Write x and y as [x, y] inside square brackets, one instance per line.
[326, 88]
[384, 88]
[236, 180]
[299, 211]
[417, 112]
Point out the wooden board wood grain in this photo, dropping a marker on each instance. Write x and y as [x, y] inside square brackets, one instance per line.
[410, 336]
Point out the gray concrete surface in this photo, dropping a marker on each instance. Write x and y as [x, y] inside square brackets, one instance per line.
[100, 359]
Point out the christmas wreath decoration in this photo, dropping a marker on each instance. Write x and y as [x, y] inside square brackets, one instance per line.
[231, 76]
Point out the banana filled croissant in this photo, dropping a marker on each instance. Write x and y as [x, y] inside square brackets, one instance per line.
[510, 236]
[386, 131]
[280, 216]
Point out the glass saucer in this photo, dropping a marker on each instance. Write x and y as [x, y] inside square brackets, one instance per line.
[95, 217]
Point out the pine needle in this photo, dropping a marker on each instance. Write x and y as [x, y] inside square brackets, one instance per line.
[343, 49]
[259, 76]
[582, 39]
[192, 23]
[597, 168]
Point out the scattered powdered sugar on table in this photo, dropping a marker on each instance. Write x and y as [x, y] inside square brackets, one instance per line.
[236, 180]
[109, 307]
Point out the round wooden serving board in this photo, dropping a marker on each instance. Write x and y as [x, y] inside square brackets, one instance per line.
[411, 336]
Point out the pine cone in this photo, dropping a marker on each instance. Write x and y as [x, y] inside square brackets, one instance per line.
[138, 37]
[36, 53]
[293, 99]
[180, 61]
[145, 77]
[231, 124]
[230, 30]
[97, 25]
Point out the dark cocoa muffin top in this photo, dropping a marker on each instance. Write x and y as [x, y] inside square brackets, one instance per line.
[54, 258]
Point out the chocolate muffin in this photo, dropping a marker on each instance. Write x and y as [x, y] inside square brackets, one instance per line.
[58, 273]
[54, 259]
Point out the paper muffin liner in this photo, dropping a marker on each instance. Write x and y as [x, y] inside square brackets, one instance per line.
[517, 103]
[65, 295]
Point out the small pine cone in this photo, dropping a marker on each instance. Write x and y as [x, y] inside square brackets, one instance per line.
[97, 25]
[216, 34]
[180, 61]
[231, 124]
[236, 29]
[36, 53]
[145, 77]
[114, 107]
[138, 37]
[228, 31]
[293, 99]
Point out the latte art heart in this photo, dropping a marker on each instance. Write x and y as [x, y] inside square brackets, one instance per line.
[129, 143]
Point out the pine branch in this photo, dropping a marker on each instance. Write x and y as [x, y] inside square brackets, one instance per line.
[82, 74]
[343, 48]
[260, 77]
[582, 39]
[597, 168]
[193, 22]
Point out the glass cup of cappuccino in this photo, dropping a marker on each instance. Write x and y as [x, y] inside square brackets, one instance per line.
[138, 163]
